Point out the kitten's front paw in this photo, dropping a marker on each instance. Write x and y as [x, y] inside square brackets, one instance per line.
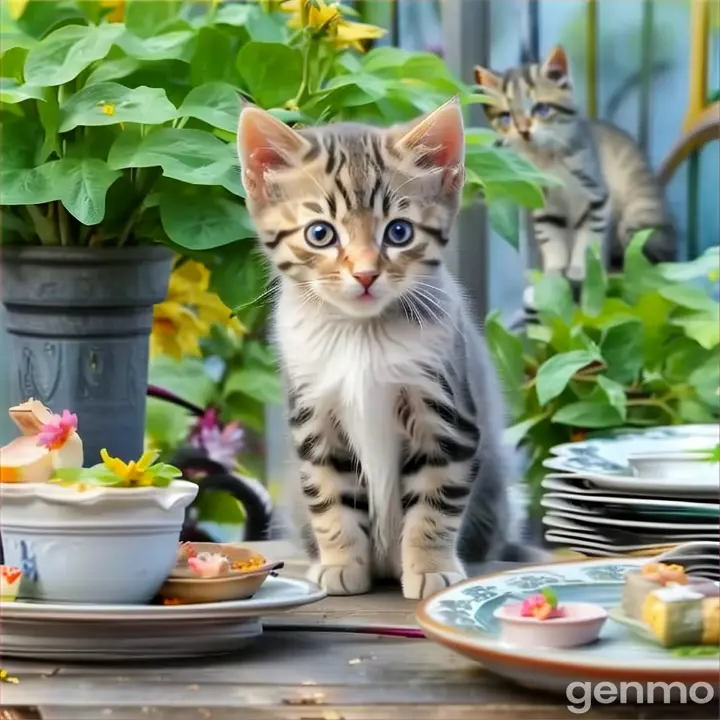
[417, 586]
[351, 579]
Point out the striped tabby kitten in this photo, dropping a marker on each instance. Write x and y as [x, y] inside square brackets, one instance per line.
[608, 192]
[394, 411]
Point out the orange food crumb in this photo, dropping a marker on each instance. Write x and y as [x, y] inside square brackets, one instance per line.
[9, 474]
[247, 565]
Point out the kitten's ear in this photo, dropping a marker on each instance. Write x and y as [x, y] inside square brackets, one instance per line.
[556, 65]
[438, 139]
[489, 82]
[487, 79]
[264, 144]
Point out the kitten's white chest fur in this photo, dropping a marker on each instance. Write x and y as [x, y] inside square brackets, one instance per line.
[355, 369]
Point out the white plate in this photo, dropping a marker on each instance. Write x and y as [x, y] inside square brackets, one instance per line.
[578, 485]
[665, 527]
[66, 642]
[598, 504]
[462, 619]
[604, 460]
[615, 534]
[133, 632]
[276, 594]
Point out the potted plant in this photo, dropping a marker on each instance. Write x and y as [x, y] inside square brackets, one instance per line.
[104, 534]
[639, 350]
[118, 122]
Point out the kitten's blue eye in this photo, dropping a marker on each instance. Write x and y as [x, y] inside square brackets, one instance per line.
[320, 235]
[399, 233]
[541, 110]
[503, 119]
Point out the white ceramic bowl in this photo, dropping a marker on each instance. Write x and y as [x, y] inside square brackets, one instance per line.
[580, 625]
[102, 545]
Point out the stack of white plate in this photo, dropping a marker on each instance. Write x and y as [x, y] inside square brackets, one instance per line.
[633, 492]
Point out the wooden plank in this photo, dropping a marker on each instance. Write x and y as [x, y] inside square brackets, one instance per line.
[386, 712]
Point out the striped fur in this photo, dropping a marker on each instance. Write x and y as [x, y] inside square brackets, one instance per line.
[607, 193]
[394, 412]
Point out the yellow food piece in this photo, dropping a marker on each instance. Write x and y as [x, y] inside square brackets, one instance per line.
[655, 616]
[711, 621]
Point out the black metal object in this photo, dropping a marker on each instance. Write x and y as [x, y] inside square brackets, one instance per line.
[211, 476]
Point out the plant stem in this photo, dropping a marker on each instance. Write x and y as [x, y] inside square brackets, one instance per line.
[63, 225]
[307, 55]
[43, 227]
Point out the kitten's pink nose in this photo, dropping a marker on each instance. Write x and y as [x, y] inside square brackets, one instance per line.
[366, 278]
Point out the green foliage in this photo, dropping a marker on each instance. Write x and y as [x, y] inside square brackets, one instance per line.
[119, 133]
[141, 474]
[640, 349]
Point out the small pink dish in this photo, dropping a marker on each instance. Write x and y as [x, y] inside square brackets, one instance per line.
[579, 624]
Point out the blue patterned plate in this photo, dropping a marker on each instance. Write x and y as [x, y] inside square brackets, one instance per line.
[461, 618]
[604, 460]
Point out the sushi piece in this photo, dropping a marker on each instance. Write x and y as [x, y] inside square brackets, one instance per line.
[209, 565]
[684, 614]
[640, 583]
[10, 578]
[48, 443]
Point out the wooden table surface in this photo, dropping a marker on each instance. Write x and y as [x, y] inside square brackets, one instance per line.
[300, 676]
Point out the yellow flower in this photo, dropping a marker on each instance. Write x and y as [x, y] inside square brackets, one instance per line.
[134, 473]
[327, 20]
[17, 8]
[118, 13]
[108, 109]
[188, 312]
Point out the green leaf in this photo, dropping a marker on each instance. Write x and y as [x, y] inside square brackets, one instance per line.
[506, 351]
[595, 284]
[504, 217]
[555, 373]
[219, 507]
[705, 380]
[191, 156]
[215, 103]
[113, 70]
[640, 275]
[235, 14]
[704, 328]
[255, 383]
[109, 103]
[622, 350]
[588, 414]
[146, 19]
[39, 18]
[550, 596]
[12, 92]
[240, 278]
[613, 393]
[200, 221]
[515, 434]
[214, 57]
[272, 72]
[688, 296]
[176, 45]
[65, 53]
[82, 186]
[700, 268]
[553, 299]
[68, 474]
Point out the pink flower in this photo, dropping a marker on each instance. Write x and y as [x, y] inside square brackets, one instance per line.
[221, 443]
[54, 434]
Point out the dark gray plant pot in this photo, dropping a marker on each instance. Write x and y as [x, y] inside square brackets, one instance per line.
[78, 322]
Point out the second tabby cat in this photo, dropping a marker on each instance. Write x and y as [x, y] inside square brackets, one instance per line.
[607, 192]
[394, 409]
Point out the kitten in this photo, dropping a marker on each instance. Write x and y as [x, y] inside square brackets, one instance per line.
[608, 191]
[394, 410]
